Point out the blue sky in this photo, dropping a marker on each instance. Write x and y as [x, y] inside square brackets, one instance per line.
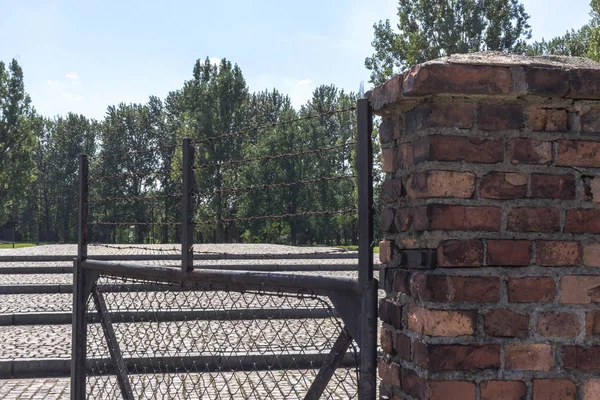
[82, 56]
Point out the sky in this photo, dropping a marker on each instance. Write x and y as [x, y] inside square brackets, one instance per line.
[83, 56]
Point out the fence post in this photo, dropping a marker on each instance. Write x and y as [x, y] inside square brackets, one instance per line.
[79, 320]
[368, 345]
[187, 225]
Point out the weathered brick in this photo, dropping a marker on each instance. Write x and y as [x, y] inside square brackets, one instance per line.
[557, 253]
[584, 84]
[546, 81]
[386, 340]
[474, 288]
[427, 287]
[417, 119]
[450, 390]
[581, 358]
[403, 219]
[578, 153]
[590, 120]
[460, 253]
[390, 313]
[402, 280]
[402, 346]
[413, 384]
[553, 186]
[532, 289]
[508, 252]
[591, 187]
[561, 324]
[528, 357]
[388, 160]
[456, 79]
[385, 251]
[554, 389]
[404, 155]
[583, 221]
[505, 323]
[386, 220]
[390, 129]
[579, 289]
[500, 116]
[549, 120]
[457, 148]
[391, 190]
[527, 151]
[503, 390]
[452, 114]
[591, 389]
[441, 184]
[534, 219]
[387, 94]
[440, 322]
[503, 185]
[456, 357]
[456, 218]
[389, 372]
[592, 323]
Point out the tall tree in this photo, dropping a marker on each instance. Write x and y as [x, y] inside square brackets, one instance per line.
[429, 29]
[572, 43]
[17, 139]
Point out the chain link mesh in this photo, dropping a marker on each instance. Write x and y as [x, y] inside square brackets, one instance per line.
[185, 343]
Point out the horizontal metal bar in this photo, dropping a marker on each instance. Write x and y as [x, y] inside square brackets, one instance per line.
[229, 280]
[26, 270]
[63, 318]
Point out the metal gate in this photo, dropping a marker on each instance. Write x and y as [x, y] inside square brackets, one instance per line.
[159, 331]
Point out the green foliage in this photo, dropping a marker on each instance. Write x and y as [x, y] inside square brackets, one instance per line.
[429, 29]
[594, 35]
[573, 43]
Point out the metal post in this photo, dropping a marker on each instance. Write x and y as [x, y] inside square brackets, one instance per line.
[79, 321]
[187, 226]
[368, 339]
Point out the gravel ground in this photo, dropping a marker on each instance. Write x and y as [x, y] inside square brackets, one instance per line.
[253, 336]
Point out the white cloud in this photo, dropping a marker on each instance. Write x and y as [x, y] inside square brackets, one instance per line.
[300, 91]
[73, 76]
[73, 97]
[304, 82]
[215, 61]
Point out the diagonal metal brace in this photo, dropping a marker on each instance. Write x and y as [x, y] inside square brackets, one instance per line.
[113, 345]
[347, 306]
[331, 363]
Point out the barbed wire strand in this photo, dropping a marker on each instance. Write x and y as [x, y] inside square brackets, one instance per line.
[283, 216]
[273, 157]
[134, 223]
[128, 175]
[132, 198]
[134, 152]
[135, 247]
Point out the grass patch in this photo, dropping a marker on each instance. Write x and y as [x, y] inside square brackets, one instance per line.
[375, 249]
[17, 245]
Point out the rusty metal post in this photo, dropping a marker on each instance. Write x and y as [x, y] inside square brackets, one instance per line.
[187, 214]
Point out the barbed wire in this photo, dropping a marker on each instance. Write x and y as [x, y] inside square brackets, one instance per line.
[134, 223]
[133, 152]
[248, 130]
[283, 216]
[274, 185]
[132, 198]
[273, 157]
[130, 174]
[135, 247]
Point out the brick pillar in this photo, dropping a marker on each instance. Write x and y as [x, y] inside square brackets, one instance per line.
[492, 225]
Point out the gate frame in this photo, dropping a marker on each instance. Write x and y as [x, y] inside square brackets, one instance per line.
[346, 294]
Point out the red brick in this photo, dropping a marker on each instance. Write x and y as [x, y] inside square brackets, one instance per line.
[500, 116]
[553, 186]
[417, 119]
[402, 280]
[591, 187]
[561, 324]
[579, 289]
[554, 389]
[441, 184]
[505, 323]
[532, 289]
[385, 251]
[583, 221]
[452, 114]
[391, 190]
[390, 313]
[386, 220]
[413, 384]
[581, 358]
[403, 219]
[528, 357]
[460, 253]
[456, 218]
[590, 120]
[450, 390]
[503, 185]
[390, 129]
[456, 79]
[508, 252]
[387, 340]
[592, 323]
[430, 287]
[474, 288]
[591, 389]
[578, 153]
[537, 219]
[503, 390]
[547, 82]
[527, 151]
[388, 94]
[456, 357]
[537, 119]
[440, 322]
[388, 160]
[555, 253]
[549, 120]
[402, 346]
[584, 84]
[404, 155]
[389, 372]
[457, 148]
